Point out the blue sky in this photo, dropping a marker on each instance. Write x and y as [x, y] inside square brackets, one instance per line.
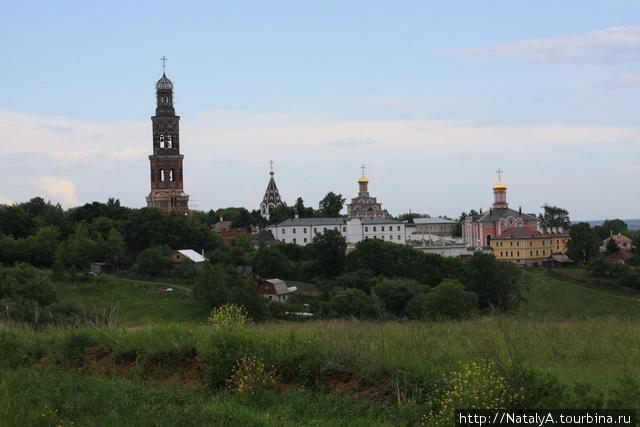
[433, 97]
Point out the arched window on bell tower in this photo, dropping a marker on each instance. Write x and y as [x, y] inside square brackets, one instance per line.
[162, 140]
[161, 174]
[172, 175]
[169, 141]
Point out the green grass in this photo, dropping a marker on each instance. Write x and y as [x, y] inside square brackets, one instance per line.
[555, 297]
[137, 302]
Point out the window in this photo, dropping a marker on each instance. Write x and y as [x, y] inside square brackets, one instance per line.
[382, 237]
[518, 243]
[366, 229]
[169, 141]
[510, 243]
[517, 253]
[294, 240]
[305, 240]
[398, 228]
[283, 230]
[530, 253]
[382, 228]
[315, 229]
[172, 175]
[344, 229]
[399, 238]
[537, 252]
[501, 254]
[374, 229]
[544, 252]
[304, 230]
[294, 231]
[511, 253]
[161, 175]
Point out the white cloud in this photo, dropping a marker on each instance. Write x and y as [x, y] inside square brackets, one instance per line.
[5, 201]
[625, 81]
[612, 45]
[58, 188]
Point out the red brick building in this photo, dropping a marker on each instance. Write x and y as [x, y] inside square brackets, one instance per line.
[166, 161]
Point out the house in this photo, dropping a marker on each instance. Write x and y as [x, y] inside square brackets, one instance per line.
[274, 290]
[187, 256]
[624, 243]
[301, 231]
[428, 229]
[226, 231]
[263, 238]
[529, 247]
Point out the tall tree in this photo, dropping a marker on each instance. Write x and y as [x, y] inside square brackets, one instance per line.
[611, 226]
[329, 250]
[583, 242]
[497, 283]
[331, 205]
[553, 216]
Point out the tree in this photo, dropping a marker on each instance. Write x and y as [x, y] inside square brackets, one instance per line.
[352, 303]
[553, 216]
[611, 247]
[115, 249]
[450, 300]
[331, 205]
[269, 262]
[28, 283]
[610, 227]
[329, 250]
[497, 283]
[303, 212]
[396, 293]
[583, 243]
[600, 267]
[154, 261]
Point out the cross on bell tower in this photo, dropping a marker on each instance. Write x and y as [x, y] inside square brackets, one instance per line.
[167, 190]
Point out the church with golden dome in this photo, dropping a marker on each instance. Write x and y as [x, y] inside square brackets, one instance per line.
[365, 206]
[479, 230]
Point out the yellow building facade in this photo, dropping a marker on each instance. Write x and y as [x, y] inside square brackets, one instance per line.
[529, 247]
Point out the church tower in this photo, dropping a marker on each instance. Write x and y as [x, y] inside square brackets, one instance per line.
[364, 206]
[167, 190]
[271, 197]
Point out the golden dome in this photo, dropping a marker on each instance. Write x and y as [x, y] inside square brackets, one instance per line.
[363, 180]
[499, 186]
[271, 172]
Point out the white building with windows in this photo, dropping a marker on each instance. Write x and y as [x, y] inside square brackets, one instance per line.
[302, 230]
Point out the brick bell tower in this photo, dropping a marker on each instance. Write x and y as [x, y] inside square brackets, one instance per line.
[166, 161]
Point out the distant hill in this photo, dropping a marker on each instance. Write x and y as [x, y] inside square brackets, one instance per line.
[633, 224]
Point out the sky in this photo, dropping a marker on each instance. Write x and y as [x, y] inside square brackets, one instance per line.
[432, 97]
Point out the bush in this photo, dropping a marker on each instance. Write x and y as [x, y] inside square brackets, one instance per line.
[450, 300]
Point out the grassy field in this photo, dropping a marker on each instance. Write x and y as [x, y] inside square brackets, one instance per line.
[137, 303]
[573, 345]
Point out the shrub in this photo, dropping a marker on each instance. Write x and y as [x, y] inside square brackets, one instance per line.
[474, 386]
[450, 300]
[250, 375]
[229, 317]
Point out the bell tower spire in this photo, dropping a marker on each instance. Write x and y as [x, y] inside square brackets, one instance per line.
[167, 190]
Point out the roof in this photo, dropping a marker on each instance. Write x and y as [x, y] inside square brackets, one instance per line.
[497, 214]
[192, 255]
[221, 225]
[271, 194]
[311, 222]
[164, 83]
[263, 236]
[366, 221]
[432, 221]
[619, 238]
[523, 232]
[279, 286]
[620, 255]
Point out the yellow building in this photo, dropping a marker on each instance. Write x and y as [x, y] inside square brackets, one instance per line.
[529, 247]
